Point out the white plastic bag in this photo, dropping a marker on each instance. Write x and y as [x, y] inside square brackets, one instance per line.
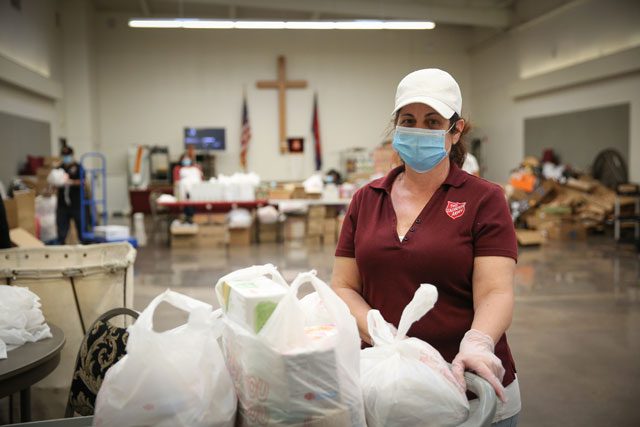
[405, 381]
[314, 183]
[57, 177]
[172, 378]
[267, 215]
[298, 370]
[21, 319]
[239, 218]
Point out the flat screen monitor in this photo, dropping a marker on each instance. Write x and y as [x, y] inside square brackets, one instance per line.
[204, 138]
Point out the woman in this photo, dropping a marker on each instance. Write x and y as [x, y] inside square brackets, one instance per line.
[427, 221]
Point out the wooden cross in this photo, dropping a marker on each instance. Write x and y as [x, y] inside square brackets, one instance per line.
[282, 85]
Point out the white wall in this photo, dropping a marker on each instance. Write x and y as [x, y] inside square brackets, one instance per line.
[152, 83]
[30, 62]
[78, 121]
[558, 49]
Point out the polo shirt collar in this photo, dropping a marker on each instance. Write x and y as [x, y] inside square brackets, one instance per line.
[456, 178]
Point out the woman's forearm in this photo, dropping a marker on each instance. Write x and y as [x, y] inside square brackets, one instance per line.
[359, 309]
[493, 313]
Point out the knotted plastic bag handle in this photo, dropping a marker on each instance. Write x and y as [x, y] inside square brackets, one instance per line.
[381, 332]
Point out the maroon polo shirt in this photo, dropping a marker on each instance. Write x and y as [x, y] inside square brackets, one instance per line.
[465, 218]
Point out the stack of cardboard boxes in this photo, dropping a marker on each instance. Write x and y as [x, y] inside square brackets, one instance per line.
[212, 230]
[207, 231]
[268, 233]
[563, 211]
[295, 228]
[38, 182]
[315, 223]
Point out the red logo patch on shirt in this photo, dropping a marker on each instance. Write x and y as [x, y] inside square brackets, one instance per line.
[455, 209]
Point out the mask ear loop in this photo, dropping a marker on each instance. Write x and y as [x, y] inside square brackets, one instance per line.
[449, 130]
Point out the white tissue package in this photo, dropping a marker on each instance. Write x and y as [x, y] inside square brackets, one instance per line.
[249, 303]
[299, 387]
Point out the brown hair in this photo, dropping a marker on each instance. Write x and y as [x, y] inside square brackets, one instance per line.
[458, 151]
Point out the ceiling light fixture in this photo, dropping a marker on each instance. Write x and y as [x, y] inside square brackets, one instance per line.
[280, 25]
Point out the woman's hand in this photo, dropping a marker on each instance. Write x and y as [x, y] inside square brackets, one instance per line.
[476, 354]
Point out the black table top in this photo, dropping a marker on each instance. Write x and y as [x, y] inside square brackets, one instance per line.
[32, 354]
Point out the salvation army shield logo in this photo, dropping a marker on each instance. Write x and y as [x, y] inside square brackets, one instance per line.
[455, 209]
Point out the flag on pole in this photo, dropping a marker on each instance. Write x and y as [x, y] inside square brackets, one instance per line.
[315, 128]
[245, 135]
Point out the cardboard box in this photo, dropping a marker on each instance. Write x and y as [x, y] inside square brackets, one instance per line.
[51, 161]
[295, 228]
[23, 239]
[280, 193]
[330, 226]
[329, 239]
[332, 211]
[211, 235]
[529, 237]
[178, 228]
[268, 233]
[240, 236]
[298, 192]
[184, 241]
[317, 211]
[210, 218]
[567, 230]
[580, 184]
[43, 172]
[12, 213]
[315, 226]
[21, 210]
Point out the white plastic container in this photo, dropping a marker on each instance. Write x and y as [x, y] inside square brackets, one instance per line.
[112, 232]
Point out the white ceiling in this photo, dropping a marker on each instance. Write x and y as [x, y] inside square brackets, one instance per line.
[494, 14]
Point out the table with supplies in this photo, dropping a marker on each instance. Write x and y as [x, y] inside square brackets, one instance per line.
[27, 365]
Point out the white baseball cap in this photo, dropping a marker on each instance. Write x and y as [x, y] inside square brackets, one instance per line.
[433, 87]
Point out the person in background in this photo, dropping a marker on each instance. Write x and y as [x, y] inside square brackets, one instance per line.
[426, 221]
[68, 207]
[185, 175]
[471, 165]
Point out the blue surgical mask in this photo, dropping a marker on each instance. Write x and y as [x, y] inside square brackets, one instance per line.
[67, 160]
[420, 149]
[186, 162]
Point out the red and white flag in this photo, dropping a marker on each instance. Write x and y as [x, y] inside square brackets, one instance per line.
[245, 135]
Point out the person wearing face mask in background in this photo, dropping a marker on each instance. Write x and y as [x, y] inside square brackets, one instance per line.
[186, 174]
[427, 221]
[68, 206]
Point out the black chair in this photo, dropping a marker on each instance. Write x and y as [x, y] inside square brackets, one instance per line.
[103, 345]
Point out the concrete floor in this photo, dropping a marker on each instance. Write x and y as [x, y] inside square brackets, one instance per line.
[575, 334]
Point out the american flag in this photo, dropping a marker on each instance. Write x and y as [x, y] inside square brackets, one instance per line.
[315, 128]
[245, 136]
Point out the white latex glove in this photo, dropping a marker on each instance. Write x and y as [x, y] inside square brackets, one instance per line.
[476, 354]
